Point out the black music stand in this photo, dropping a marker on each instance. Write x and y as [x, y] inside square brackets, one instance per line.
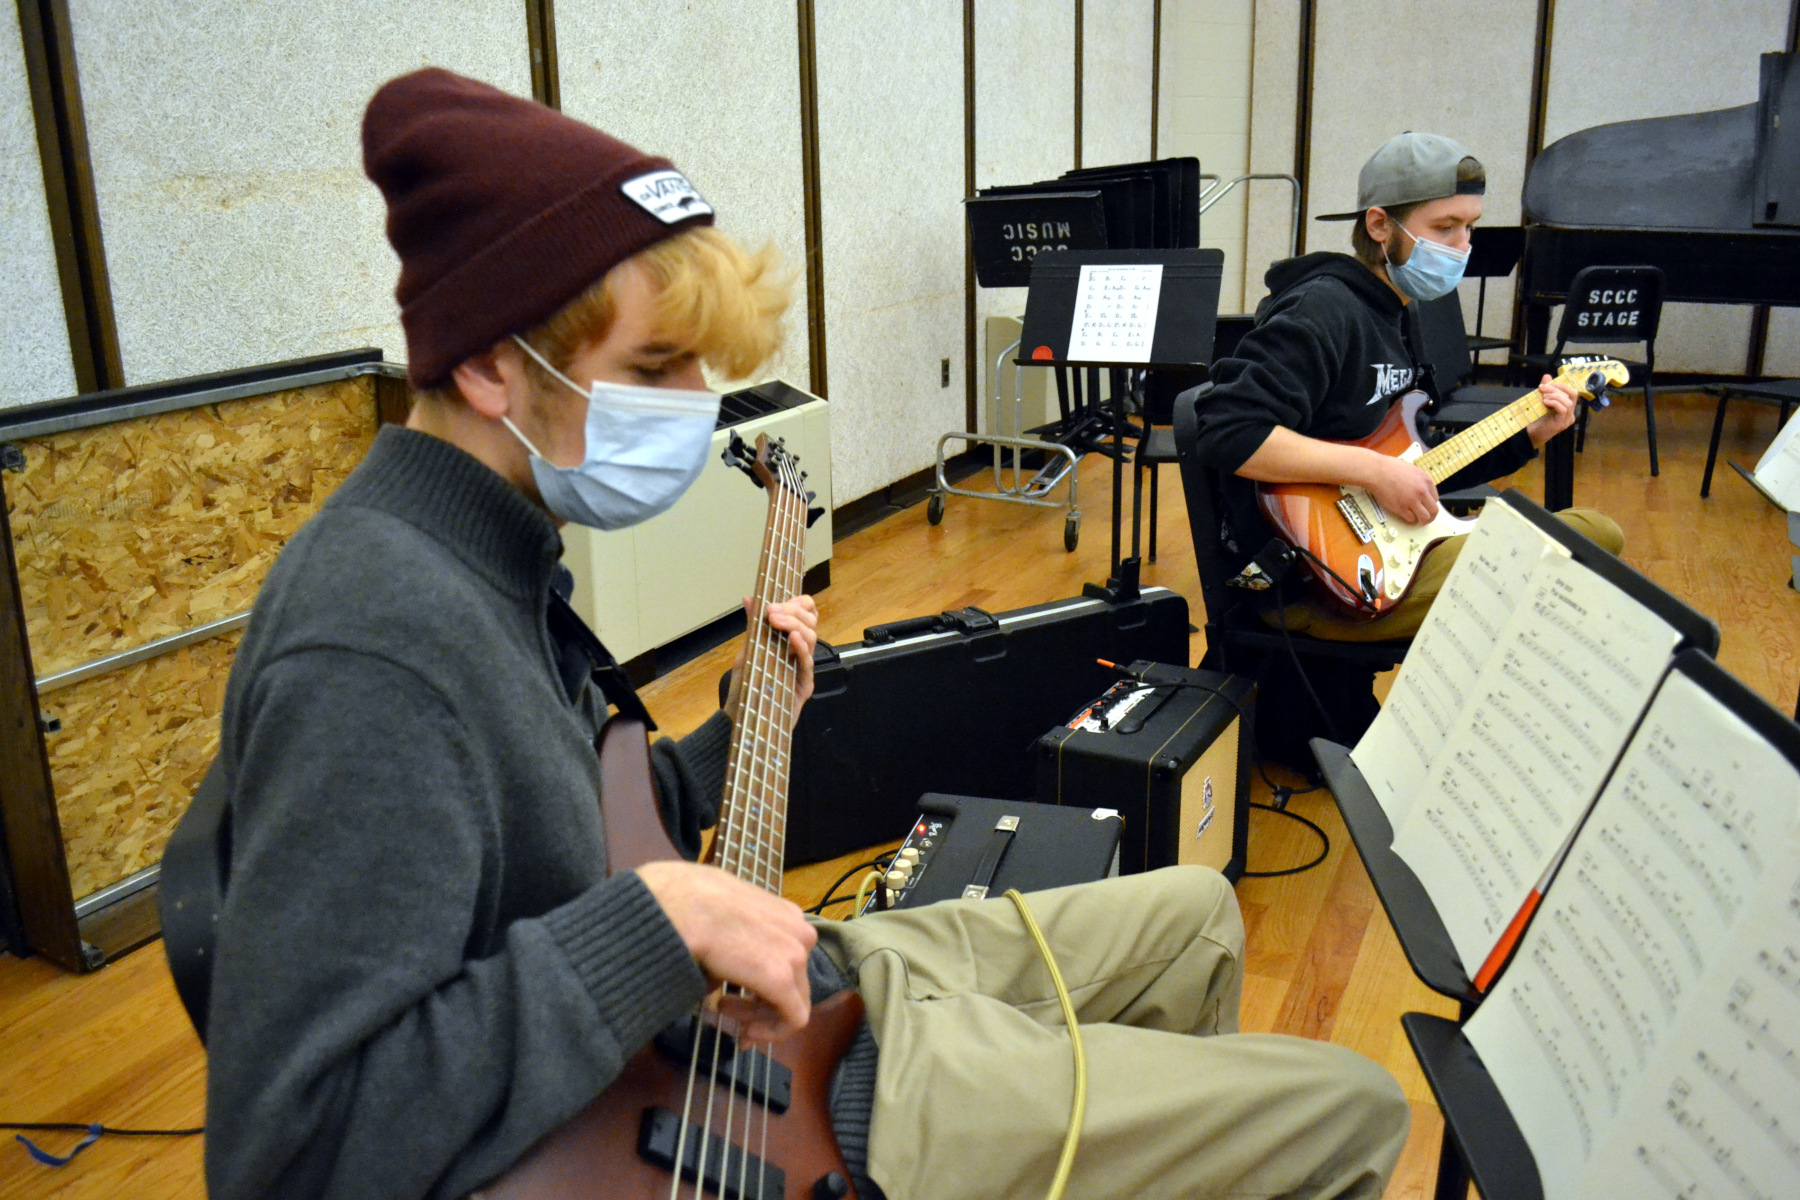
[1187, 307]
[1494, 252]
[1417, 925]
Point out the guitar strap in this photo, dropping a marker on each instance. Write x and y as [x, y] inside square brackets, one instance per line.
[582, 656]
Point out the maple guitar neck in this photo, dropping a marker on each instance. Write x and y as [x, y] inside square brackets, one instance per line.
[1449, 457]
[752, 830]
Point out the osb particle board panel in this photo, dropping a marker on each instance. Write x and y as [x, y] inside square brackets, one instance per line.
[148, 527]
[131, 751]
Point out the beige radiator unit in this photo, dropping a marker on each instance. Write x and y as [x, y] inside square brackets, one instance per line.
[643, 587]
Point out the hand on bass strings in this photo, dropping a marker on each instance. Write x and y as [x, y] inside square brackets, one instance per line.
[1401, 488]
[799, 619]
[742, 935]
[1560, 399]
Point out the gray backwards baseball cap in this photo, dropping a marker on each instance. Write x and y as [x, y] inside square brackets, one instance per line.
[1407, 169]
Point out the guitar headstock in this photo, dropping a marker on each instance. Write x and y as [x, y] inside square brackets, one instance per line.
[1590, 377]
[772, 465]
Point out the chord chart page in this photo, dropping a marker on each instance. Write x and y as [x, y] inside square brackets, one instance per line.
[1437, 679]
[1115, 313]
[1623, 960]
[1572, 671]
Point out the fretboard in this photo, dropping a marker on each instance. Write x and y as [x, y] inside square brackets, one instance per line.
[1447, 458]
[752, 828]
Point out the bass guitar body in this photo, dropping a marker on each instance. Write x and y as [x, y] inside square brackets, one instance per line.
[1362, 558]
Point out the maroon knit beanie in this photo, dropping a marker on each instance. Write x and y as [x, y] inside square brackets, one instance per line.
[502, 211]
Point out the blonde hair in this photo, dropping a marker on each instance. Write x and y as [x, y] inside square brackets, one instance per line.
[714, 300]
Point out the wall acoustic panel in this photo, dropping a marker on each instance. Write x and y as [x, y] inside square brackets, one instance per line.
[647, 82]
[1274, 109]
[228, 163]
[891, 183]
[1115, 81]
[31, 309]
[1024, 120]
[1617, 60]
[1206, 114]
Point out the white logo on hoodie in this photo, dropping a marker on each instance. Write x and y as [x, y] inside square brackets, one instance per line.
[1389, 378]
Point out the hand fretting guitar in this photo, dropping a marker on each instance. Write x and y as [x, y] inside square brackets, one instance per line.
[745, 1124]
[1363, 559]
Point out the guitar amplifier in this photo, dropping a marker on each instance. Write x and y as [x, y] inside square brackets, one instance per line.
[954, 703]
[968, 848]
[1168, 747]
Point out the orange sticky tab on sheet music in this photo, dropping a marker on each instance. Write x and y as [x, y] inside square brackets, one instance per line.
[1503, 949]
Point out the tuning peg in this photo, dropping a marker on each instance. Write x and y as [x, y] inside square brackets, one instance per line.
[812, 514]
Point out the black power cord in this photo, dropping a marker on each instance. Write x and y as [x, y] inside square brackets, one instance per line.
[879, 862]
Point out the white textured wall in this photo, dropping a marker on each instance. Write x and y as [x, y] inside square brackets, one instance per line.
[1274, 108]
[31, 309]
[1206, 57]
[1617, 60]
[1117, 41]
[662, 86]
[891, 186]
[239, 227]
[1024, 120]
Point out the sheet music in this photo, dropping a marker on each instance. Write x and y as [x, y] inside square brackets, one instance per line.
[1778, 470]
[1115, 313]
[1719, 1114]
[1670, 862]
[1576, 663]
[1438, 675]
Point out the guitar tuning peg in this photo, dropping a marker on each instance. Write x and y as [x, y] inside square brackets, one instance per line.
[812, 514]
[811, 496]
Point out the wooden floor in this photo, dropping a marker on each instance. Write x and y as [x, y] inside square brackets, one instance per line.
[1321, 961]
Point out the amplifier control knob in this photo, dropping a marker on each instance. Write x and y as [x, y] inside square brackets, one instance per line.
[896, 878]
[910, 855]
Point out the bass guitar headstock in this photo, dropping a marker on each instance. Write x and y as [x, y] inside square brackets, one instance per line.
[1590, 377]
[772, 465]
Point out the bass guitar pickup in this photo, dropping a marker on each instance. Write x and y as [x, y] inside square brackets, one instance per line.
[750, 1073]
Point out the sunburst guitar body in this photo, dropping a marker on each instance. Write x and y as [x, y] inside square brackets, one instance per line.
[1362, 559]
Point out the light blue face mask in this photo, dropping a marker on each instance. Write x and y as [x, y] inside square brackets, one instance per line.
[1430, 271]
[645, 447]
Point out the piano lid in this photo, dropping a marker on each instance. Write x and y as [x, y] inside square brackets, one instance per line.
[1694, 172]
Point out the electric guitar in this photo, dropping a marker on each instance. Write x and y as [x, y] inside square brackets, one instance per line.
[1364, 560]
[742, 1122]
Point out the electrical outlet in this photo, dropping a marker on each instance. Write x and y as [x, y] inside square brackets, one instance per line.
[944, 378]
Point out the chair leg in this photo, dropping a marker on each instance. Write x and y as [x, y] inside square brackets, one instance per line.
[1650, 420]
[1155, 475]
[1712, 447]
[1581, 429]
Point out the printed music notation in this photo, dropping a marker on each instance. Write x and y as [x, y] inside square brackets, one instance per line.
[1647, 1034]
[1576, 663]
[1115, 313]
[1491, 577]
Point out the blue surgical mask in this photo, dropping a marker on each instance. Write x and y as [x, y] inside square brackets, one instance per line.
[1430, 271]
[645, 447]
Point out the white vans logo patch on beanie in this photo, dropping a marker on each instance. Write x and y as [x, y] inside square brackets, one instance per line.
[666, 195]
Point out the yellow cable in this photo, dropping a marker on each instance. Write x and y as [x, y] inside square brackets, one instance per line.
[1078, 1109]
[862, 894]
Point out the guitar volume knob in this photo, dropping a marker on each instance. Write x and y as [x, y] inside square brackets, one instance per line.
[831, 1187]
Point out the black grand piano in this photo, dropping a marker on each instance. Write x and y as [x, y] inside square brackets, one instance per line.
[1712, 198]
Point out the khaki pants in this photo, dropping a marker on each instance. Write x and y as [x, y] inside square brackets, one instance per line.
[1404, 619]
[975, 1077]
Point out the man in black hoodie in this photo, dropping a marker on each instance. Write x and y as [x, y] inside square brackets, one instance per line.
[1330, 351]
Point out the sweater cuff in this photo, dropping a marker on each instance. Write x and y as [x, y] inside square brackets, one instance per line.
[627, 953]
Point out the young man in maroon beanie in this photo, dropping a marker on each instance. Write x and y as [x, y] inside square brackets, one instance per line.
[422, 965]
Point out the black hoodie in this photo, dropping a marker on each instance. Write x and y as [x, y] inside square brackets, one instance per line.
[1329, 350]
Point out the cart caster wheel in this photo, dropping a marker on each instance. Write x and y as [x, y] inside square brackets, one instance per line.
[934, 509]
[1071, 534]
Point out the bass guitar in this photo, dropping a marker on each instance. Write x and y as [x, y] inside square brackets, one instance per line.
[1363, 559]
[698, 1113]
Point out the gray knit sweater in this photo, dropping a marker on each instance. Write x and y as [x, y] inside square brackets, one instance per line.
[422, 967]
